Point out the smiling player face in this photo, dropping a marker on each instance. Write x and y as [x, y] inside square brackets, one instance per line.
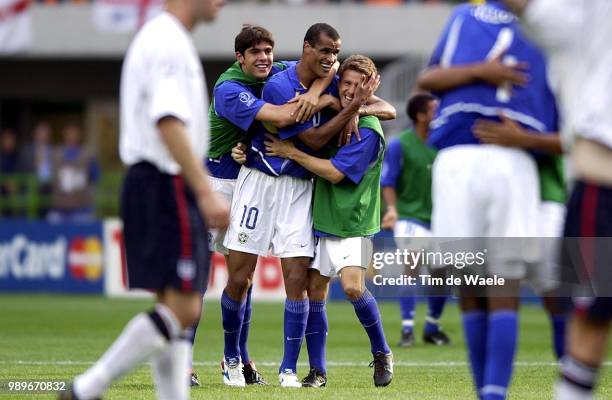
[349, 81]
[323, 55]
[257, 60]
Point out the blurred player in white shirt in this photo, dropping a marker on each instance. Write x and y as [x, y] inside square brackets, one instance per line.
[166, 198]
[576, 34]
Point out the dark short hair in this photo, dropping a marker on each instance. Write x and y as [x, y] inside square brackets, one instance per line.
[358, 63]
[418, 104]
[313, 34]
[251, 36]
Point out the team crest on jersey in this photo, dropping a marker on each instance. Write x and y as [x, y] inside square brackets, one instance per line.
[492, 15]
[186, 269]
[247, 98]
[243, 237]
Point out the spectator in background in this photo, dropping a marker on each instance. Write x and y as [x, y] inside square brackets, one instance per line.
[74, 174]
[38, 161]
[10, 166]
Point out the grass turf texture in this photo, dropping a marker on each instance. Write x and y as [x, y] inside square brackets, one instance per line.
[45, 337]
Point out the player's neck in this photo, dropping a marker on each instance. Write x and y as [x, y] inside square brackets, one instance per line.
[182, 15]
[422, 131]
[305, 76]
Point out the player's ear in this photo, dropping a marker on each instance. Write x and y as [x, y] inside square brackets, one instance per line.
[306, 46]
[240, 58]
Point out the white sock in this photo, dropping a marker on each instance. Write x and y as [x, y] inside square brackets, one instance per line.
[564, 390]
[170, 370]
[140, 339]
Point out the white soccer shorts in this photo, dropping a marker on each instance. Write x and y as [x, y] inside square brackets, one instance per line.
[488, 191]
[333, 254]
[545, 275]
[271, 214]
[225, 188]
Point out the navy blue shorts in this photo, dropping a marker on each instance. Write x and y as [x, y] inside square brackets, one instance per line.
[165, 236]
[587, 250]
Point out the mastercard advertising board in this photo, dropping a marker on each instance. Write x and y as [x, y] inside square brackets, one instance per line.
[37, 256]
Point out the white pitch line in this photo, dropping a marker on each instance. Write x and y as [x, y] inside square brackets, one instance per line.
[439, 364]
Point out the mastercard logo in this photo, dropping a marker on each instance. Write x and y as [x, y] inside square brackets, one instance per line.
[85, 258]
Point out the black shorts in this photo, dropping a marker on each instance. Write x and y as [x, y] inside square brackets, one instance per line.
[587, 250]
[165, 236]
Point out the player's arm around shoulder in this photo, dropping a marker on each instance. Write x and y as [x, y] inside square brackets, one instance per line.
[319, 166]
[379, 108]
[277, 111]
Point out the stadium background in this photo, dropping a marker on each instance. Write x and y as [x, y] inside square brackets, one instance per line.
[65, 68]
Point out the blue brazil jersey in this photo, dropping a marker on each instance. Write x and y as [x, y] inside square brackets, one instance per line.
[279, 89]
[238, 103]
[475, 34]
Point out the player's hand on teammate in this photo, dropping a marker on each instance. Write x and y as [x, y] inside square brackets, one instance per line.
[278, 148]
[505, 133]
[496, 73]
[214, 209]
[389, 219]
[350, 129]
[306, 106]
[239, 153]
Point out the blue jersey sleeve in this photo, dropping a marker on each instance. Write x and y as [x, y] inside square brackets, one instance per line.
[354, 159]
[392, 164]
[237, 104]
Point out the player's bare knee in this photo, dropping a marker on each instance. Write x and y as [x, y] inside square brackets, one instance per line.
[237, 285]
[295, 287]
[317, 292]
[186, 308]
[353, 292]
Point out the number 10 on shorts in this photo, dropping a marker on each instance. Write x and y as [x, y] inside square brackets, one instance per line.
[250, 214]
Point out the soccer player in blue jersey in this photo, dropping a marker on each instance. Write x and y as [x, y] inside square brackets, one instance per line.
[236, 109]
[346, 212]
[495, 188]
[406, 188]
[271, 208]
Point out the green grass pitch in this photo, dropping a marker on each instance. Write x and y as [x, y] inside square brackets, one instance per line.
[44, 337]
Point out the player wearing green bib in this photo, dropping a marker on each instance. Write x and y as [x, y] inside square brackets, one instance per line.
[346, 212]
[406, 188]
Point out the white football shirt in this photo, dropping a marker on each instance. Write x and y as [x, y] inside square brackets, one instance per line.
[161, 76]
[577, 37]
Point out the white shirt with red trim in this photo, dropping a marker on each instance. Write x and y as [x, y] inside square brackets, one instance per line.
[162, 76]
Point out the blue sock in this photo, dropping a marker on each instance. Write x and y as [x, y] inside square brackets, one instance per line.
[475, 330]
[407, 304]
[296, 316]
[501, 347]
[316, 335]
[232, 312]
[369, 316]
[558, 325]
[244, 331]
[436, 306]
